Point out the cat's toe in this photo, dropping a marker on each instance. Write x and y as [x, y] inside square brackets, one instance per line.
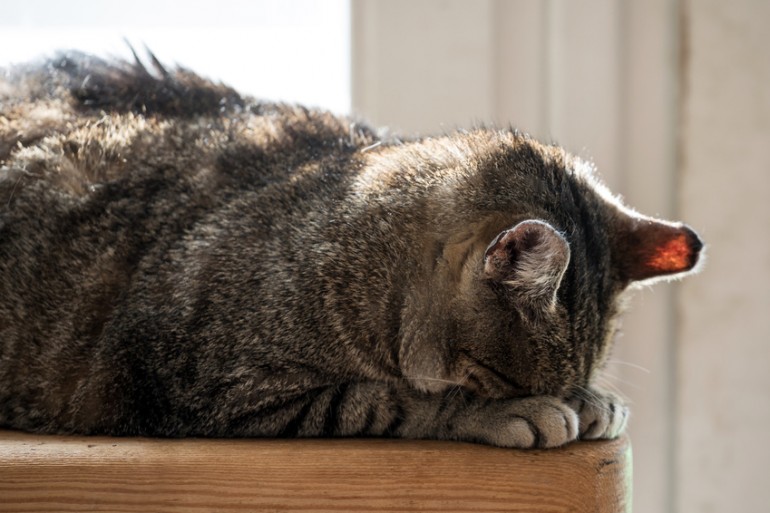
[540, 422]
[601, 416]
[557, 425]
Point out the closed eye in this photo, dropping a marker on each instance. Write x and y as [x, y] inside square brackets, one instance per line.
[489, 381]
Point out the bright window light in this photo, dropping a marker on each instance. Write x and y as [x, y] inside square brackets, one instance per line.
[287, 50]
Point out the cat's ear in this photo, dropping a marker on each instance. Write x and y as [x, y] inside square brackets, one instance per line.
[650, 249]
[531, 257]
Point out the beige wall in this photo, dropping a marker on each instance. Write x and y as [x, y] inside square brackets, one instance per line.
[670, 100]
[724, 355]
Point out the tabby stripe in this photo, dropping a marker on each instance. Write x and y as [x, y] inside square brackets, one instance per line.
[371, 417]
[398, 419]
[395, 356]
[476, 382]
[446, 400]
[395, 303]
[249, 418]
[333, 411]
[292, 428]
[278, 404]
[582, 406]
[539, 438]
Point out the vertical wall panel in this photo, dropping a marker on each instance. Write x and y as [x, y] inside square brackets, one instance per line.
[584, 81]
[521, 65]
[725, 330]
[423, 66]
[649, 115]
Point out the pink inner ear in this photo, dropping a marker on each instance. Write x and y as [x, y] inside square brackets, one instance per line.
[674, 255]
[655, 248]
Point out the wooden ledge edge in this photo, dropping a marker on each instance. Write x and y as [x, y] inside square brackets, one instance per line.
[44, 473]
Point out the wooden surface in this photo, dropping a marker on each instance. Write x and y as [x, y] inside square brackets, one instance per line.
[53, 473]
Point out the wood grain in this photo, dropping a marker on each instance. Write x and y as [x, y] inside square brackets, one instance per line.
[54, 473]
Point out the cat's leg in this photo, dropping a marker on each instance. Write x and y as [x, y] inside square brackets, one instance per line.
[385, 409]
[529, 422]
[602, 414]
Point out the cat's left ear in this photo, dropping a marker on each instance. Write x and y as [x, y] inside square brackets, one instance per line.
[531, 258]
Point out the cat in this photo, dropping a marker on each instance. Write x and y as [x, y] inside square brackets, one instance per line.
[178, 259]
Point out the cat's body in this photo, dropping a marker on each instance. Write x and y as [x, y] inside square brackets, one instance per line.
[178, 260]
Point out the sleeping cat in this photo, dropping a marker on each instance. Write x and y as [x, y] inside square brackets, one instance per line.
[179, 260]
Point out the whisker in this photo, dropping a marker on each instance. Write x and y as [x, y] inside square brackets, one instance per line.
[611, 380]
[13, 191]
[591, 397]
[453, 390]
[612, 387]
[629, 364]
[458, 387]
[419, 378]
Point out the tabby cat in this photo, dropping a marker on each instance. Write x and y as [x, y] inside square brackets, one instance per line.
[177, 259]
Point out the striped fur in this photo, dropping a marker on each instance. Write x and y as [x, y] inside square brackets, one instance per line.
[180, 260]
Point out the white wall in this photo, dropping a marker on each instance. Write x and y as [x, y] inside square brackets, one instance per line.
[670, 99]
[292, 51]
[724, 354]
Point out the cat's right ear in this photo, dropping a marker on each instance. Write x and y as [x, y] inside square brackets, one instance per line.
[531, 258]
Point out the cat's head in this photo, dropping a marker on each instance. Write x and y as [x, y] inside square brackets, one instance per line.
[535, 287]
[556, 302]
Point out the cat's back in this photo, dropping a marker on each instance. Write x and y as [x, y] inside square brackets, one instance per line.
[98, 157]
[76, 121]
[109, 161]
[122, 185]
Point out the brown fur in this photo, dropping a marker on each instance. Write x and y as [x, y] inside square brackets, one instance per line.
[176, 260]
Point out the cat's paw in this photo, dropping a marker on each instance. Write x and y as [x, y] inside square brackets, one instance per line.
[603, 415]
[531, 422]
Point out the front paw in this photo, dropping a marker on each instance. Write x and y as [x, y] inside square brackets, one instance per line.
[525, 423]
[603, 415]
